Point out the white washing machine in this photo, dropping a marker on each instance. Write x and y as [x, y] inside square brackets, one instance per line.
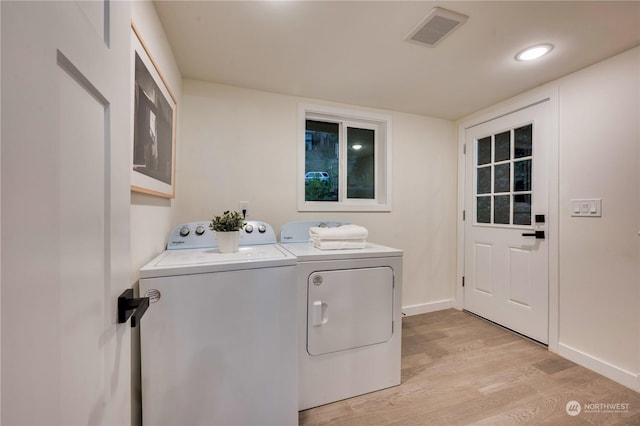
[349, 317]
[219, 340]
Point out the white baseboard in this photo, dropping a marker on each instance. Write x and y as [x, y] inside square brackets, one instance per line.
[424, 308]
[617, 374]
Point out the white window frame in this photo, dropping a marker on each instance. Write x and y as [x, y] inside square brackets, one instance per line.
[381, 123]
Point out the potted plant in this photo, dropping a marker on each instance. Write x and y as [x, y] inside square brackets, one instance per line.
[227, 228]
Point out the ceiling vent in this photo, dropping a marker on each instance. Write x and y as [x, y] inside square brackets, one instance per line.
[436, 26]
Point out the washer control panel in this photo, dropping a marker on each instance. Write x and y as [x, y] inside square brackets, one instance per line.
[199, 235]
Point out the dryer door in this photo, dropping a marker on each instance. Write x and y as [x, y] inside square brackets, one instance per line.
[348, 309]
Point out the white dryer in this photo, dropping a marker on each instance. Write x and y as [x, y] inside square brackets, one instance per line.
[349, 317]
[219, 342]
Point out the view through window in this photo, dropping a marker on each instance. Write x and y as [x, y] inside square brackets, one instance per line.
[345, 162]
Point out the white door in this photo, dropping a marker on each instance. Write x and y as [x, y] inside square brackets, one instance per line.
[506, 232]
[65, 212]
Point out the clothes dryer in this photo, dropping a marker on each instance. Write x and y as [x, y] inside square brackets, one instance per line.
[349, 317]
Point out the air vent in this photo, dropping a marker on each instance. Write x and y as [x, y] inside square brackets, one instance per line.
[436, 26]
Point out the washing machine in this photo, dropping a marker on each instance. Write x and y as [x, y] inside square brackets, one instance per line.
[219, 339]
[349, 317]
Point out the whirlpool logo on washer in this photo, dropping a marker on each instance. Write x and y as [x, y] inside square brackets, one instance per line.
[317, 280]
[153, 295]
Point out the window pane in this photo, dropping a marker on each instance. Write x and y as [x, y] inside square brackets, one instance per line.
[484, 150]
[483, 209]
[522, 209]
[501, 209]
[522, 175]
[321, 161]
[503, 146]
[361, 163]
[523, 140]
[484, 180]
[502, 182]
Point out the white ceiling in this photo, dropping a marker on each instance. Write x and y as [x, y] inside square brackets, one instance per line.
[354, 51]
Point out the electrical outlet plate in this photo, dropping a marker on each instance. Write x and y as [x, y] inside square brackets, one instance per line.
[244, 207]
[591, 207]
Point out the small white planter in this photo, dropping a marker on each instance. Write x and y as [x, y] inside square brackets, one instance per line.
[228, 241]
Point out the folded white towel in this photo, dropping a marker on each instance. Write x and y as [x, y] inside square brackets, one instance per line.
[337, 244]
[344, 232]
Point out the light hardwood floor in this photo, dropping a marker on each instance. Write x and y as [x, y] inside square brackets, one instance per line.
[458, 369]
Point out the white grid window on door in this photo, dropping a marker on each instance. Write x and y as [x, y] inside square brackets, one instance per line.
[503, 177]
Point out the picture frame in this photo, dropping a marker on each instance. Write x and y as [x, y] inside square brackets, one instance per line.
[154, 112]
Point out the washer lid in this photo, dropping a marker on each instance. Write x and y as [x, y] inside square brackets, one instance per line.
[305, 252]
[204, 260]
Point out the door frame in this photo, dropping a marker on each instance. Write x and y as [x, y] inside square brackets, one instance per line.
[548, 94]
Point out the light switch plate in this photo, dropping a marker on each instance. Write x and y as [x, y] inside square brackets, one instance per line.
[591, 207]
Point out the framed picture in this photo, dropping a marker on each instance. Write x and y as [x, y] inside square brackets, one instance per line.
[154, 125]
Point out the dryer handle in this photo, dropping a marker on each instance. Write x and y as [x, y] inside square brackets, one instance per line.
[319, 313]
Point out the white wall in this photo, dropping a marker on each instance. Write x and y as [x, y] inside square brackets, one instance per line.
[240, 145]
[599, 321]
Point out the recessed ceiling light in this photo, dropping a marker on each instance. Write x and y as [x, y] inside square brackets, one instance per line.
[534, 52]
[356, 147]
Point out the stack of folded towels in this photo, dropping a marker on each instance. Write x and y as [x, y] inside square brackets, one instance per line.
[341, 237]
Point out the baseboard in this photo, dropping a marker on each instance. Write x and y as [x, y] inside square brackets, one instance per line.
[425, 308]
[617, 374]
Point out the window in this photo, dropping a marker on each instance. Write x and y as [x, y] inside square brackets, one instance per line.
[503, 177]
[344, 160]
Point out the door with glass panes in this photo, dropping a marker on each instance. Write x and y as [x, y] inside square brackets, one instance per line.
[506, 209]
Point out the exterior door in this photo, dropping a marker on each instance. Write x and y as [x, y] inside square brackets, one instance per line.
[65, 212]
[506, 206]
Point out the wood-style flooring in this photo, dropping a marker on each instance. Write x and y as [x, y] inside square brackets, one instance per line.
[458, 369]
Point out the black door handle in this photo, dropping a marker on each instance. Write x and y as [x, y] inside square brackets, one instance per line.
[128, 306]
[538, 234]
